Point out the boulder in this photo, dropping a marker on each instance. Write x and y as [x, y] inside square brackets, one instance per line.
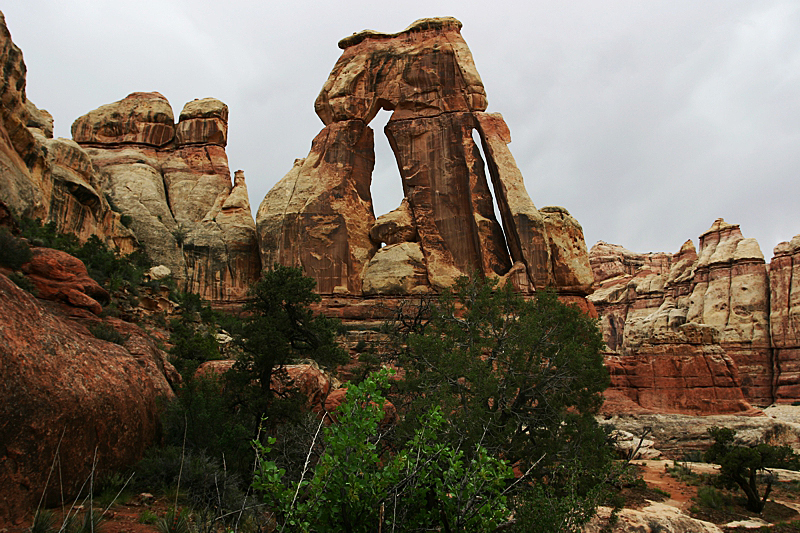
[395, 226]
[203, 121]
[61, 277]
[139, 118]
[396, 269]
[68, 399]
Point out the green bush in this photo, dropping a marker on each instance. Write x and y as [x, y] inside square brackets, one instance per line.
[712, 498]
[14, 252]
[426, 486]
[106, 332]
[24, 282]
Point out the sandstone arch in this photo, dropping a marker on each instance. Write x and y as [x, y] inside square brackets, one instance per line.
[320, 216]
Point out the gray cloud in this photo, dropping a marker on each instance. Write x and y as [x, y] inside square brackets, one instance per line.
[647, 120]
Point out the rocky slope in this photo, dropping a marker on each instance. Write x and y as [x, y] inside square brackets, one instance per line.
[700, 331]
[320, 216]
[67, 398]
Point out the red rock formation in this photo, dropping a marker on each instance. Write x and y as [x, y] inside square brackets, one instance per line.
[67, 395]
[784, 282]
[174, 183]
[647, 302]
[320, 215]
[42, 177]
[61, 277]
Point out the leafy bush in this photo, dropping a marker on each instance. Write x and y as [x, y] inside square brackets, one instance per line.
[14, 252]
[427, 485]
[522, 377]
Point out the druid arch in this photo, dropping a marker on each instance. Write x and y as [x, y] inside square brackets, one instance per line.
[320, 215]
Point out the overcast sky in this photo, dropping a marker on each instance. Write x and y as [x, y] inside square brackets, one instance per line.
[645, 119]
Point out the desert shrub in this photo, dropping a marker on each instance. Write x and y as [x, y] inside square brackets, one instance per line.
[205, 482]
[192, 345]
[710, 497]
[23, 282]
[43, 522]
[174, 521]
[148, 517]
[106, 332]
[211, 424]
[14, 252]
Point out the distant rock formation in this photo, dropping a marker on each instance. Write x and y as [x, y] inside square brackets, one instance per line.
[173, 181]
[700, 332]
[320, 215]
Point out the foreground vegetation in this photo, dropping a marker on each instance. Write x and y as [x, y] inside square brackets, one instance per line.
[495, 426]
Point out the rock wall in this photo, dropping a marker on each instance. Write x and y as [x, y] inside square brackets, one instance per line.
[320, 215]
[715, 324]
[173, 182]
[41, 177]
[129, 161]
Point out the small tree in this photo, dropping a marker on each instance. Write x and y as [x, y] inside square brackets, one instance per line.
[747, 467]
[524, 378]
[278, 327]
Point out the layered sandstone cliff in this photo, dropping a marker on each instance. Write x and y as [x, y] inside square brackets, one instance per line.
[701, 331]
[129, 161]
[320, 215]
[173, 181]
[41, 177]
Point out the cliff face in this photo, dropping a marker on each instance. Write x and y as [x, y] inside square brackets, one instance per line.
[173, 181]
[41, 177]
[130, 161]
[320, 216]
[721, 311]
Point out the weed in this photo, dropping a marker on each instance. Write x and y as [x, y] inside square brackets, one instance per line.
[148, 517]
[174, 521]
[43, 522]
[712, 498]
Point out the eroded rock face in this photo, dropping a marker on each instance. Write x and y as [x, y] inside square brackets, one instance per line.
[58, 383]
[320, 216]
[41, 177]
[174, 183]
[660, 311]
[784, 278]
